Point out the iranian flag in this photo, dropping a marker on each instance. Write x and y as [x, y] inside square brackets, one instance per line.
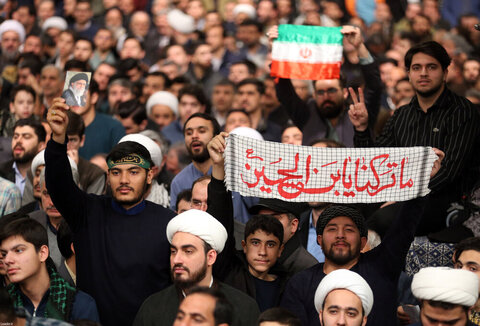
[307, 52]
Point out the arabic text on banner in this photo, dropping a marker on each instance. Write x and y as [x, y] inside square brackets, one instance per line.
[339, 175]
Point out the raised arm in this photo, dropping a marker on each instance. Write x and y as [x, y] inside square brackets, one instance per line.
[220, 205]
[66, 196]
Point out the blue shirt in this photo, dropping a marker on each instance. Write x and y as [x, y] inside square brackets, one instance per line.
[184, 180]
[174, 132]
[19, 179]
[312, 246]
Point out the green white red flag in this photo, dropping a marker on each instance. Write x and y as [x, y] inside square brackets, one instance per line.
[307, 52]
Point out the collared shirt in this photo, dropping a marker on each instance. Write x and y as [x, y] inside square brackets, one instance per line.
[312, 246]
[450, 124]
[19, 179]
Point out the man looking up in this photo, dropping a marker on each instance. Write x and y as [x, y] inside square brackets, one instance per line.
[111, 232]
[343, 298]
[435, 117]
[196, 238]
[445, 295]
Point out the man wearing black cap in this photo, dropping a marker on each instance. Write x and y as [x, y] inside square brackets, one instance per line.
[74, 95]
[295, 257]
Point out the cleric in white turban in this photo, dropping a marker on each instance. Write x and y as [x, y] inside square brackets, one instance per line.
[346, 280]
[442, 284]
[200, 224]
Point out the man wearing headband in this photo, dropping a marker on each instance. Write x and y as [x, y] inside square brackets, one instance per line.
[446, 295]
[343, 298]
[121, 247]
[196, 238]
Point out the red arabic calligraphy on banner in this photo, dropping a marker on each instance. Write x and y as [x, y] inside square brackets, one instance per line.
[293, 182]
[255, 168]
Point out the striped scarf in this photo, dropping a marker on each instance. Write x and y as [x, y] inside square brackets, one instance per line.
[60, 299]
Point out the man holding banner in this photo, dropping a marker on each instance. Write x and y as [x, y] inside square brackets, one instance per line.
[435, 117]
[312, 52]
[341, 230]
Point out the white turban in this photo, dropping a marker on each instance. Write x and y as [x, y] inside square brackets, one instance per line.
[200, 224]
[348, 280]
[162, 98]
[245, 9]
[55, 22]
[13, 25]
[149, 144]
[247, 132]
[180, 21]
[455, 286]
[39, 159]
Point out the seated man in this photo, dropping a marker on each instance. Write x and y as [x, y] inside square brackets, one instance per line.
[196, 238]
[36, 286]
[343, 298]
[206, 305]
[445, 295]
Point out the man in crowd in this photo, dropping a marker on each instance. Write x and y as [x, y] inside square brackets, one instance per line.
[12, 35]
[205, 305]
[199, 130]
[326, 116]
[196, 238]
[102, 132]
[343, 298]
[451, 122]
[28, 139]
[103, 226]
[445, 295]
[35, 284]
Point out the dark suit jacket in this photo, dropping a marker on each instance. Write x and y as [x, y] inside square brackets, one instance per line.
[71, 100]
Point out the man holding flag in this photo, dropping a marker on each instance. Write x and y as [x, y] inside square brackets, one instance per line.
[311, 52]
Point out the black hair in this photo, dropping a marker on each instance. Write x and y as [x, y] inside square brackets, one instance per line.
[29, 229]
[133, 109]
[216, 126]
[195, 91]
[201, 179]
[65, 239]
[128, 64]
[237, 110]
[252, 22]
[225, 82]
[180, 80]
[35, 125]
[430, 48]
[166, 81]
[472, 243]
[329, 142]
[279, 315]
[223, 312]
[7, 311]
[184, 195]
[81, 38]
[74, 64]
[31, 62]
[131, 37]
[251, 67]
[252, 81]
[266, 223]
[20, 88]
[76, 125]
[129, 147]
[444, 305]
[93, 87]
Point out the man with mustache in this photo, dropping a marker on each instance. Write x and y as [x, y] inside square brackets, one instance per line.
[28, 139]
[196, 238]
[199, 129]
[326, 115]
[118, 235]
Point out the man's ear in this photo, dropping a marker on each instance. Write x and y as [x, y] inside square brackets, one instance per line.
[82, 141]
[211, 257]
[93, 98]
[282, 246]
[12, 108]
[41, 146]
[294, 225]
[149, 176]
[43, 253]
[345, 93]
[319, 240]
[244, 246]
[363, 242]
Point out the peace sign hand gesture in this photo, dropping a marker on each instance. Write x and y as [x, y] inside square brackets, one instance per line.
[358, 111]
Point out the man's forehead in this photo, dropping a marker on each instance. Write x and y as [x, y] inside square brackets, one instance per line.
[424, 58]
[341, 220]
[470, 256]
[263, 235]
[198, 122]
[319, 84]
[13, 241]
[24, 130]
[184, 238]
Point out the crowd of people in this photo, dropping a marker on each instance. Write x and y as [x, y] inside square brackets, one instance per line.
[114, 208]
